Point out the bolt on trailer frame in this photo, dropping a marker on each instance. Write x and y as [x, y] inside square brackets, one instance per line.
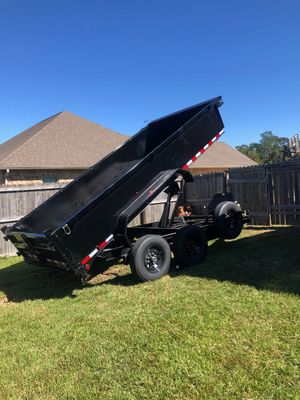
[88, 219]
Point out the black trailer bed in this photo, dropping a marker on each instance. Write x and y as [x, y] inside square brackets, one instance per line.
[85, 213]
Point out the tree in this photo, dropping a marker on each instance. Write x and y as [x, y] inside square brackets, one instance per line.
[270, 148]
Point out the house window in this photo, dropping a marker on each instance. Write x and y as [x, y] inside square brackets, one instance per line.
[50, 179]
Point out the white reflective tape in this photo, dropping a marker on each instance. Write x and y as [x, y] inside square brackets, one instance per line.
[206, 146]
[189, 162]
[109, 238]
[213, 139]
[94, 252]
[198, 154]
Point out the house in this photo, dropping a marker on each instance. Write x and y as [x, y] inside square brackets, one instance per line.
[59, 148]
[218, 158]
[56, 150]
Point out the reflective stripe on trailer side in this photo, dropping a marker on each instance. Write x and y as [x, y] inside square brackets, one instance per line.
[200, 152]
[96, 250]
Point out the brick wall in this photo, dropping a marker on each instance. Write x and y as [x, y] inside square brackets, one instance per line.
[37, 177]
[202, 171]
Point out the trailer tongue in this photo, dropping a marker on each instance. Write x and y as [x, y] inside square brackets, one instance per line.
[88, 219]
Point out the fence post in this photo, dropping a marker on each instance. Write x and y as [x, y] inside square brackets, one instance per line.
[268, 195]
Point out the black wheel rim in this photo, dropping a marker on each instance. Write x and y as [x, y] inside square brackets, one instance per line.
[192, 247]
[230, 219]
[153, 260]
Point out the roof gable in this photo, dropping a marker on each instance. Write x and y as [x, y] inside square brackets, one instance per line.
[63, 141]
[11, 145]
[221, 155]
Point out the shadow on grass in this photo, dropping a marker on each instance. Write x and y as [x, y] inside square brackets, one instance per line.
[268, 260]
[21, 282]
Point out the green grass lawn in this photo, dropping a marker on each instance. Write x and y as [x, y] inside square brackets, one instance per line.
[228, 329]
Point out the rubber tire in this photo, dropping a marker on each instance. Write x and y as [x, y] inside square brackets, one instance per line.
[181, 254]
[224, 231]
[137, 257]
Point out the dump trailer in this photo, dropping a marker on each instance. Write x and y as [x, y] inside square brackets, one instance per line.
[87, 223]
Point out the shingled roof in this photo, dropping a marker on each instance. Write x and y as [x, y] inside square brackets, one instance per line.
[67, 141]
[63, 141]
[221, 155]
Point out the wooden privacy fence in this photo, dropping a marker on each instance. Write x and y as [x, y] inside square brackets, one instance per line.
[270, 192]
[18, 201]
[284, 193]
[198, 194]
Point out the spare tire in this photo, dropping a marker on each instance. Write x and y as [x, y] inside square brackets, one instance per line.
[228, 220]
[189, 246]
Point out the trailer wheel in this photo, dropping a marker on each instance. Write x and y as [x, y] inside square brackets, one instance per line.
[150, 258]
[189, 246]
[228, 220]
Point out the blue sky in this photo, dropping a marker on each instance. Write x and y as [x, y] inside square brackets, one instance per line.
[120, 63]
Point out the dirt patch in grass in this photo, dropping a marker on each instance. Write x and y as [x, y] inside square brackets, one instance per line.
[5, 302]
[110, 273]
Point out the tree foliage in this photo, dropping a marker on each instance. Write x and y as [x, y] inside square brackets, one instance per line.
[268, 150]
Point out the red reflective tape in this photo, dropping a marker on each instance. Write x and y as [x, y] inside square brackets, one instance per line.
[194, 158]
[85, 260]
[202, 151]
[185, 166]
[218, 135]
[103, 244]
[210, 143]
